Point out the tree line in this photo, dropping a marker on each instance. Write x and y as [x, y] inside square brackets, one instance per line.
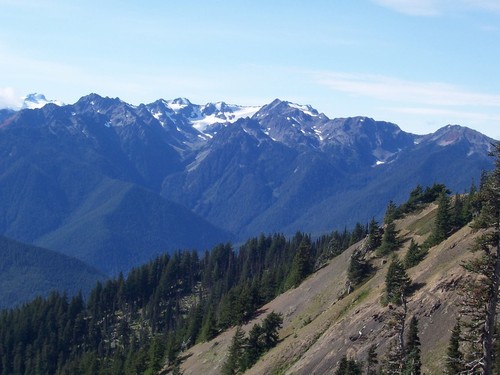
[139, 323]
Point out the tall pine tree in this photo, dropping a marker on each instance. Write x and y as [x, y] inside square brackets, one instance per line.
[397, 282]
[302, 264]
[414, 255]
[348, 366]
[235, 360]
[374, 235]
[483, 291]
[390, 240]
[412, 358]
[454, 356]
[443, 223]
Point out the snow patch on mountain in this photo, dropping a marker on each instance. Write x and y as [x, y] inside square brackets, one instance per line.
[307, 109]
[178, 104]
[35, 100]
[224, 114]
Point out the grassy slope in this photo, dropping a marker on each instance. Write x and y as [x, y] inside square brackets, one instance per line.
[319, 327]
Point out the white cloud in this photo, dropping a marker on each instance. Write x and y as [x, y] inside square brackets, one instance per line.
[402, 91]
[438, 7]
[8, 98]
[440, 112]
[488, 5]
[475, 118]
[412, 7]
[416, 106]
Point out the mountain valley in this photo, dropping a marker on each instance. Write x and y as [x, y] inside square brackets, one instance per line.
[75, 175]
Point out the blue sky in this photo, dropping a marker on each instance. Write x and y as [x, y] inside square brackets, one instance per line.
[421, 64]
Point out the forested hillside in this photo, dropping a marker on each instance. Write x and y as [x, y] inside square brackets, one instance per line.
[144, 322]
[134, 324]
[400, 285]
[27, 272]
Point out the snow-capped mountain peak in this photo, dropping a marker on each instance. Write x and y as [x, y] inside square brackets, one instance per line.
[285, 107]
[220, 112]
[200, 117]
[178, 104]
[36, 100]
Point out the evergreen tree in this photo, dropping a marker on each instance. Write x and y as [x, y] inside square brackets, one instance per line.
[458, 213]
[348, 366]
[412, 346]
[394, 361]
[301, 265]
[443, 223]
[255, 346]
[270, 329]
[414, 255]
[235, 360]
[390, 213]
[454, 357]
[357, 234]
[262, 338]
[358, 268]
[374, 235]
[390, 240]
[156, 356]
[208, 328]
[487, 266]
[415, 198]
[397, 282]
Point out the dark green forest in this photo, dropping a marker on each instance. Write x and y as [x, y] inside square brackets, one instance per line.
[131, 324]
[143, 322]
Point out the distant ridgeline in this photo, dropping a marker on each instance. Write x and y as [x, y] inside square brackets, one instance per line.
[142, 322]
[27, 271]
[115, 185]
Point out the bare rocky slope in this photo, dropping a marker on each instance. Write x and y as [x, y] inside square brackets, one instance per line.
[320, 325]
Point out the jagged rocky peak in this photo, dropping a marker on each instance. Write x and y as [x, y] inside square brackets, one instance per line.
[455, 134]
[451, 134]
[111, 112]
[281, 107]
[95, 102]
[214, 108]
[362, 124]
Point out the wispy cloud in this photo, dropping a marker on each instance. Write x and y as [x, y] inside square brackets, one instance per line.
[438, 7]
[419, 106]
[403, 91]
[488, 5]
[469, 116]
[412, 7]
[8, 98]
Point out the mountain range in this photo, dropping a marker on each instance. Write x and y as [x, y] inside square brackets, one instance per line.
[114, 184]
